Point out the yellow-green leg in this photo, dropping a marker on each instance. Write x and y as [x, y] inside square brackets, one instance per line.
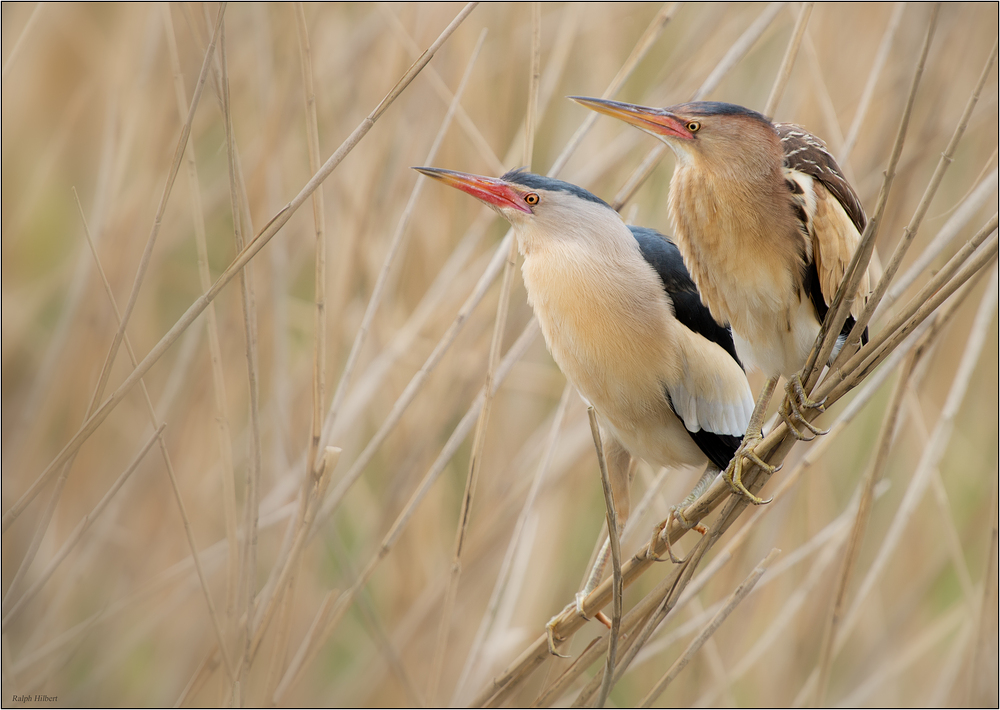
[734, 474]
[796, 400]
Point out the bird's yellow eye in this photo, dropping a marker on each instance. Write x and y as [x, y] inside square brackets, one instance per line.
[693, 126]
[531, 198]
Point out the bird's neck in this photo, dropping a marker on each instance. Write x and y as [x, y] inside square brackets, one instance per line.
[728, 224]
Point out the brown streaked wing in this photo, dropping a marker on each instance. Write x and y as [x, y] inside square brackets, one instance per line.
[808, 154]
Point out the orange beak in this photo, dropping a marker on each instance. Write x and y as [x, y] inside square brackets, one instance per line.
[657, 121]
[493, 191]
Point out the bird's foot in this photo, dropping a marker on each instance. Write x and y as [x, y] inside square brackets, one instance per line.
[734, 474]
[676, 513]
[553, 640]
[575, 606]
[791, 409]
[550, 628]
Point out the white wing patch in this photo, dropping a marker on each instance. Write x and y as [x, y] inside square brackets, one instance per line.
[713, 394]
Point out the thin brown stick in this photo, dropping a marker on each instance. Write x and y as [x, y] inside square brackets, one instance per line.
[500, 587]
[641, 48]
[616, 563]
[333, 613]
[319, 222]
[910, 232]
[81, 528]
[479, 438]
[785, 71]
[251, 501]
[872, 476]
[734, 600]
[843, 300]
[881, 55]
[223, 435]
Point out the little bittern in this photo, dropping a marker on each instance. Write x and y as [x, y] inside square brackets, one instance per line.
[624, 322]
[766, 223]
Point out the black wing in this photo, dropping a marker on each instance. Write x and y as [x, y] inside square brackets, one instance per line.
[665, 258]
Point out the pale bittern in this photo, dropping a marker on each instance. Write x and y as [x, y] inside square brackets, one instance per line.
[766, 223]
[624, 322]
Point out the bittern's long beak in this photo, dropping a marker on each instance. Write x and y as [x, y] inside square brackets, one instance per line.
[492, 191]
[657, 121]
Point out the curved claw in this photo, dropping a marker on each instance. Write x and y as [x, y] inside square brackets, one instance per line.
[676, 513]
[797, 394]
[734, 474]
[790, 422]
[550, 633]
[791, 410]
[651, 550]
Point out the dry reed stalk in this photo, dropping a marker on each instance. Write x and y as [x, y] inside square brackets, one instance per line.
[925, 202]
[327, 618]
[878, 65]
[148, 600]
[874, 473]
[515, 540]
[265, 235]
[248, 301]
[739, 595]
[227, 474]
[843, 300]
[781, 80]
[319, 220]
[616, 565]
[66, 459]
[479, 437]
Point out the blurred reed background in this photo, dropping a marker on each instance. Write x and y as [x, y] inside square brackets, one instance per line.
[102, 602]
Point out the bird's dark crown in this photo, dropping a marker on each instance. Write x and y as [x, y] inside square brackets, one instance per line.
[521, 176]
[719, 108]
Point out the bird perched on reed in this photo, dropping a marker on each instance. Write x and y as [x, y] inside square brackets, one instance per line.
[624, 322]
[767, 225]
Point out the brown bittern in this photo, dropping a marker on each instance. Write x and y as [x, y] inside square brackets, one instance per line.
[624, 322]
[767, 225]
